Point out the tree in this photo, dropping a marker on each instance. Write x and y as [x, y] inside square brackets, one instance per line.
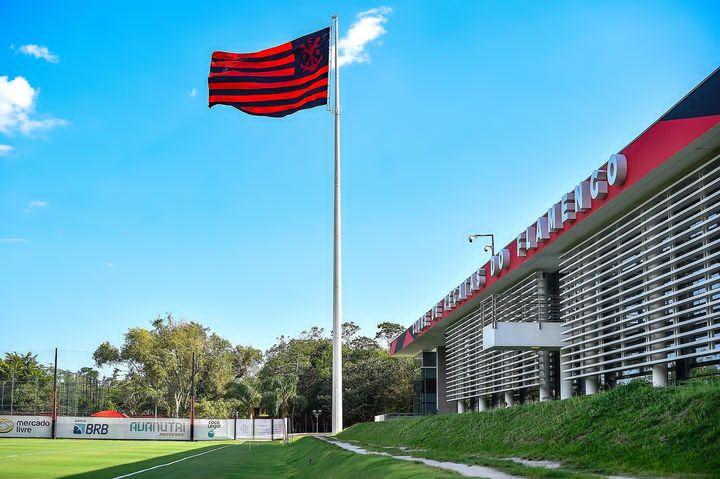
[245, 360]
[283, 391]
[388, 331]
[248, 394]
[159, 359]
[29, 383]
[349, 331]
[106, 353]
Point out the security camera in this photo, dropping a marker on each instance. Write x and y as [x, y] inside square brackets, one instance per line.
[470, 238]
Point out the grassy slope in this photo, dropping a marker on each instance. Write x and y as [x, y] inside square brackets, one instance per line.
[305, 458]
[633, 429]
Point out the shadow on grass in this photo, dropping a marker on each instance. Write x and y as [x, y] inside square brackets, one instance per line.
[183, 458]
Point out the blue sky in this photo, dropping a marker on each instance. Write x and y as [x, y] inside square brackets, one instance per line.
[123, 197]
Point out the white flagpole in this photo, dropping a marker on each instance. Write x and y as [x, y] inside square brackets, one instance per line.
[337, 408]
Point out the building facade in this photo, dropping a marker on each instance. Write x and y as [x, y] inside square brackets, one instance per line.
[619, 279]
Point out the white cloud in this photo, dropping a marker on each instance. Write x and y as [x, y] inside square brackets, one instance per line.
[108, 264]
[13, 240]
[36, 204]
[367, 28]
[39, 51]
[193, 92]
[5, 150]
[17, 103]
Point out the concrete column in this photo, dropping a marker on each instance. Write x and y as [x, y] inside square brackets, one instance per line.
[482, 404]
[565, 384]
[508, 398]
[545, 392]
[545, 386]
[443, 405]
[591, 385]
[659, 371]
[460, 407]
[659, 375]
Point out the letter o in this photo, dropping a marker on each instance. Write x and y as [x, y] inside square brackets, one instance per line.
[616, 170]
[503, 259]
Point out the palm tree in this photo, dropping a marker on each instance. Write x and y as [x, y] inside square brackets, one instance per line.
[249, 395]
[285, 390]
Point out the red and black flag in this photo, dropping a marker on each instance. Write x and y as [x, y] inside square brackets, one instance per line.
[273, 82]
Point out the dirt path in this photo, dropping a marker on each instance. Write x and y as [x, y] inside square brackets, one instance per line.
[462, 469]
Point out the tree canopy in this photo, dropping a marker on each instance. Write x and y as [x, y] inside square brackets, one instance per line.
[292, 378]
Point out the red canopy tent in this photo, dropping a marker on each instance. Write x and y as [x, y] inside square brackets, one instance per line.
[109, 413]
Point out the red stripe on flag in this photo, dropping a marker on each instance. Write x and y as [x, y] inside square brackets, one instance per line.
[279, 84]
[259, 110]
[285, 72]
[257, 65]
[285, 47]
[290, 95]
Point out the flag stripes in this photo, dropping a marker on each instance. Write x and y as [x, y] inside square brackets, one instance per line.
[273, 82]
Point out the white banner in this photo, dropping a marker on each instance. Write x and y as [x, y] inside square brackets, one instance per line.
[244, 429]
[260, 428]
[123, 428]
[263, 429]
[25, 426]
[214, 429]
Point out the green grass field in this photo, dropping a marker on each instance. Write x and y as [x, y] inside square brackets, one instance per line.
[634, 429]
[304, 458]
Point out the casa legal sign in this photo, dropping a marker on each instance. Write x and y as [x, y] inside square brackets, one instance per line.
[558, 217]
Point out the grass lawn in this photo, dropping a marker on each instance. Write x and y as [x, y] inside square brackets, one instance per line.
[634, 429]
[304, 458]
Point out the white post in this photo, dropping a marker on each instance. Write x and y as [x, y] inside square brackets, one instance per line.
[482, 404]
[508, 399]
[460, 406]
[337, 415]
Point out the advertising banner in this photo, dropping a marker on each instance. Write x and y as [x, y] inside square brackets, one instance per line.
[123, 428]
[260, 428]
[25, 426]
[141, 428]
[263, 429]
[213, 429]
[244, 429]
[278, 428]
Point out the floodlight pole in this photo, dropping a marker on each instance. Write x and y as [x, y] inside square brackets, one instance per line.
[337, 408]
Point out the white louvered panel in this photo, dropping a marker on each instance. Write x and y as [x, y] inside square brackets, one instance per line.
[645, 289]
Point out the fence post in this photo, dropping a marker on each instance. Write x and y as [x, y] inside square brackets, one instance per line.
[272, 425]
[192, 398]
[54, 398]
[253, 427]
[235, 427]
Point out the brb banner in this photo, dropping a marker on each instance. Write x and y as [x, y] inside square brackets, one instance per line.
[25, 426]
[123, 428]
